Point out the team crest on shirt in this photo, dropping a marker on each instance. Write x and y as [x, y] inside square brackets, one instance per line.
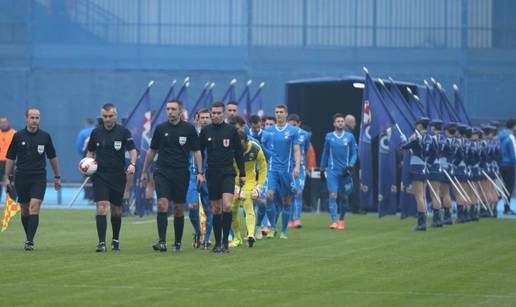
[118, 145]
[41, 149]
[346, 141]
[182, 140]
[225, 142]
[286, 134]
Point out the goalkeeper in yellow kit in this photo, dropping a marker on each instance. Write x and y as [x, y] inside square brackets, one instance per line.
[244, 196]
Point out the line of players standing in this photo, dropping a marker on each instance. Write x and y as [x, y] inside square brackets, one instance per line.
[228, 159]
[455, 159]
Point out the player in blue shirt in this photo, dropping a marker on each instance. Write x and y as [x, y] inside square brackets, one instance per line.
[304, 139]
[338, 159]
[284, 164]
[202, 119]
[262, 220]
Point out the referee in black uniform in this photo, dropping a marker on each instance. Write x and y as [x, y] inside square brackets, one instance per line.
[222, 144]
[108, 143]
[28, 149]
[173, 140]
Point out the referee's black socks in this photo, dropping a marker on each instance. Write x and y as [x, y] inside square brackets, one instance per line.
[217, 228]
[25, 223]
[179, 224]
[32, 226]
[162, 221]
[226, 226]
[116, 224]
[101, 227]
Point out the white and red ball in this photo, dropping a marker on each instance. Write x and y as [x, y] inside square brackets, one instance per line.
[88, 166]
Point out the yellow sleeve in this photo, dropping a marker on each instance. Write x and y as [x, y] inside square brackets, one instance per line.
[262, 167]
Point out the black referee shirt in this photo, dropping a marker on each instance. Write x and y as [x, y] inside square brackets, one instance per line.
[222, 144]
[109, 147]
[174, 144]
[29, 149]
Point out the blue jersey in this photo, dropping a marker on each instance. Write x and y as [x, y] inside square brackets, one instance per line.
[192, 166]
[281, 143]
[304, 143]
[340, 151]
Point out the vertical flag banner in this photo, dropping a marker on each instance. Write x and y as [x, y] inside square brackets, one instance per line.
[408, 205]
[11, 208]
[432, 109]
[256, 103]
[136, 118]
[244, 101]
[459, 107]
[374, 120]
[387, 184]
[229, 95]
[200, 100]
[139, 123]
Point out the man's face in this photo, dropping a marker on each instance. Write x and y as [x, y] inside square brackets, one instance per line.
[231, 111]
[339, 123]
[4, 123]
[108, 117]
[173, 111]
[281, 115]
[217, 115]
[350, 122]
[255, 128]
[269, 123]
[33, 119]
[204, 119]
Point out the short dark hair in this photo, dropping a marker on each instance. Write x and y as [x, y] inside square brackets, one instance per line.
[510, 123]
[338, 115]
[218, 104]
[203, 110]
[254, 119]
[266, 118]
[282, 106]
[3, 116]
[108, 106]
[88, 120]
[237, 120]
[232, 102]
[179, 103]
[243, 136]
[293, 117]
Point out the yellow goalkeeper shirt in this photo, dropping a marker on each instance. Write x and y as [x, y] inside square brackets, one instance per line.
[254, 159]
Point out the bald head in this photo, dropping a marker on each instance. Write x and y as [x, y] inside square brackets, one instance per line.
[350, 122]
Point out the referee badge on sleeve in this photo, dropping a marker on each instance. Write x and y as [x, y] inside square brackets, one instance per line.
[118, 145]
[182, 140]
[41, 149]
[225, 142]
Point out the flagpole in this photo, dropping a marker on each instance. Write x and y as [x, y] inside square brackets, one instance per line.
[151, 83]
[72, 202]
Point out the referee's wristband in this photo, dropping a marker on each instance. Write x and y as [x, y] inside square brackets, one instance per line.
[132, 163]
[57, 177]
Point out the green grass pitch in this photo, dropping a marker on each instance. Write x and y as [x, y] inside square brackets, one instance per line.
[374, 262]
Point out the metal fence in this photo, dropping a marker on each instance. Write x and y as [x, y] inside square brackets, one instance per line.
[273, 23]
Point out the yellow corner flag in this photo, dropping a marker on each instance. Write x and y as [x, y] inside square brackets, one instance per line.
[10, 210]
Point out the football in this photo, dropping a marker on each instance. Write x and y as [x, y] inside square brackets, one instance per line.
[88, 166]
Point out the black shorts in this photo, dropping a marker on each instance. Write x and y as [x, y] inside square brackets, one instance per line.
[220, 182]
[109, 187]
[172, 185]
[30, 186]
